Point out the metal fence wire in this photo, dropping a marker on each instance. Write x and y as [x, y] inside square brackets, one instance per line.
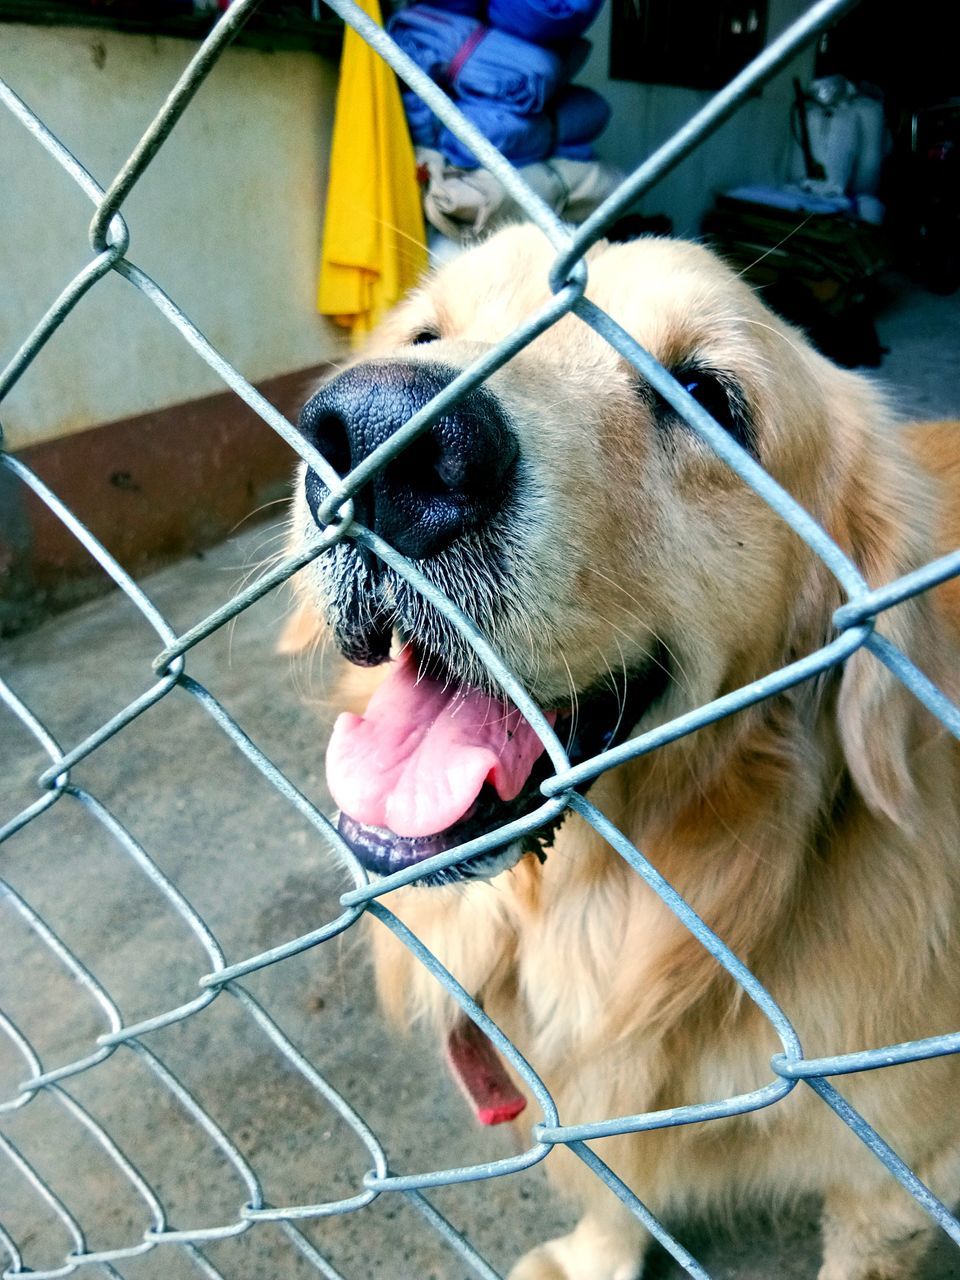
[109, 240]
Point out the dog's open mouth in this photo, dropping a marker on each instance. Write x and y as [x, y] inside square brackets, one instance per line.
[432, 764]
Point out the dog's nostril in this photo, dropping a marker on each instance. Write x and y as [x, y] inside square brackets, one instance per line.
[424, 469]
[451, 470]
[332, 438]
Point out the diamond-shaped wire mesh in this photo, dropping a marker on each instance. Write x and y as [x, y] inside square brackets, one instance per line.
[109, 239]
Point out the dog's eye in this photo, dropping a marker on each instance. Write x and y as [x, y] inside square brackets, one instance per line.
[724, 402]
[709, 392]
[424, 335]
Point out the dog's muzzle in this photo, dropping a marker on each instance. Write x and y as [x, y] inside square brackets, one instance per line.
[435, 761]
[449, 482]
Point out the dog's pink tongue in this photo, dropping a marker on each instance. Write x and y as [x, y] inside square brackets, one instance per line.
[417, 759]
[480, 1073]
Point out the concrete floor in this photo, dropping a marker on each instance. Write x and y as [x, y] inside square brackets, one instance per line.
[259, 876]
[921, 368]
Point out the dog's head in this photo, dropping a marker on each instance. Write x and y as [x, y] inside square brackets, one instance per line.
[620, 569]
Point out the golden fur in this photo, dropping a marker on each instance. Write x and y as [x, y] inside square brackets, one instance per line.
[816, 833]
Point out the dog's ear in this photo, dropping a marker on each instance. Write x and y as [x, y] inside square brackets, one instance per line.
[878, 720]
[885, 520]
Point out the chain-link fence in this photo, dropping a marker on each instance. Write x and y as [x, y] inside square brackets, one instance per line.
[854, 622]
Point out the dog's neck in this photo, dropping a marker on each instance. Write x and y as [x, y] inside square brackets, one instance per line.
[737, 842]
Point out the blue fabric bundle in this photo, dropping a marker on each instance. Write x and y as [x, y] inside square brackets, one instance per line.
[499, 67]
[510, 88]
[473, 8]
[522, 139]
[424, 125]
[578, 116]
[543, 21]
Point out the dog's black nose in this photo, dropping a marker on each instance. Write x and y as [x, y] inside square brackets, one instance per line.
[450, 481]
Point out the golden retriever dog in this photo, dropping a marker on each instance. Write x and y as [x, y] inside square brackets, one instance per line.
[626, 575]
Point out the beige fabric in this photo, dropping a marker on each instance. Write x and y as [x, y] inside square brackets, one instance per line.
[465, 204]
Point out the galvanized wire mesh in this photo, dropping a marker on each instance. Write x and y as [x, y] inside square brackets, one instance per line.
[109, 240]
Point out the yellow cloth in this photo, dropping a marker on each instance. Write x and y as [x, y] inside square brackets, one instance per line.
[374, 245]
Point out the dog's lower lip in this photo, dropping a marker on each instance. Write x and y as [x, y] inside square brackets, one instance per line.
[383, 852]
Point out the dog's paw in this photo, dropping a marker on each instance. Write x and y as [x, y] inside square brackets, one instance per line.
[571, 1258]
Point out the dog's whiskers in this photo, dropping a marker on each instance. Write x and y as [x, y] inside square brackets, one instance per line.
[782, 336]
[773, 248]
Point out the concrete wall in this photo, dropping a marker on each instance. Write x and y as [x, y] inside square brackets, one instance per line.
[227, 220]
[751, 147]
